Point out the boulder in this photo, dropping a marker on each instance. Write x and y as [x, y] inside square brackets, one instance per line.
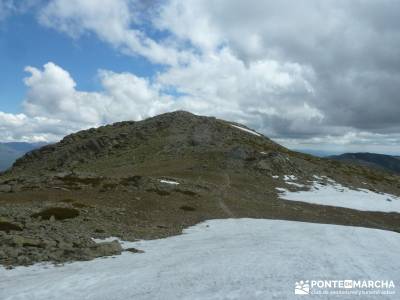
[5, 188]
[107, 248]
[7, 226]
[21, 241]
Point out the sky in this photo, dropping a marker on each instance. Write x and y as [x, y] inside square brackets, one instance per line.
[310, 74]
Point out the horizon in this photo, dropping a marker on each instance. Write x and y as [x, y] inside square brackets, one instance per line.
[309, 149]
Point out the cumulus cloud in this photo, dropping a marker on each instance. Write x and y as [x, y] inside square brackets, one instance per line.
[20, 127]
[54, 107]
[349, 45]
[52, 92]
[248, 94]
[261, 94]
[116, 22]
[304, 71]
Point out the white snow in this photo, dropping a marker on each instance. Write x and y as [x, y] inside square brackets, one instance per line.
[275, 176]
[318, 177]
[295, 184]
[334, 194]
[289, 180]
[219, 259]
[169, 182]
[247, 130]
[289, 177]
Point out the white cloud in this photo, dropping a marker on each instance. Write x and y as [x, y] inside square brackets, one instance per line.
[125, 96]
[20, 127]
[207, 89]
[53, 107]
[347, 140]
[131, 97]
[348, 45]
[262, 89]
[114, 22]
[288, 69]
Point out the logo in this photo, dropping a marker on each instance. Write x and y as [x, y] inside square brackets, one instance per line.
[302, 288]
[344, 287]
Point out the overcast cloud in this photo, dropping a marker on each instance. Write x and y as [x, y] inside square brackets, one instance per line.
[303, 72]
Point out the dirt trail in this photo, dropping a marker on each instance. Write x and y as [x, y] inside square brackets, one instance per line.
[225, 187]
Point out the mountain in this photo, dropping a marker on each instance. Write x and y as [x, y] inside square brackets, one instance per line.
[319, 153]
[153, 178]
[372, 160]
[9, 152]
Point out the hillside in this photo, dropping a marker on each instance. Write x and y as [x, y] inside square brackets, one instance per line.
[153, 178]
[378, 161]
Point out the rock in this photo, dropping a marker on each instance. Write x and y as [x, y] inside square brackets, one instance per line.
[63, 174]
[23, 260]
[49, 243]
[107, 248]
[4, 219]
[21, 241]
[58, 213]
[65, 246]
[5, 188]
[9, 226]
[187, 208]
[264, 165]
[15, 188]
[242, 153]
[134, 250]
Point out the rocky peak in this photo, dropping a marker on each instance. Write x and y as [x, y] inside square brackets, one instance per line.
[170, 134]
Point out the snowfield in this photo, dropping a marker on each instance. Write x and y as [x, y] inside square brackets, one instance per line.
[334, 194]
[220, 259]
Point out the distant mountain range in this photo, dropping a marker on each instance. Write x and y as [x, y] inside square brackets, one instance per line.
[373, 160]
[9, 152]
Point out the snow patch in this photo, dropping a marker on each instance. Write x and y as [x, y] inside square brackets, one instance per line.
[289, 177]
[318, 177]
[289, 180]
[169, 182]
[218, 259]
[335, 194]
[247, 130]
[295, 184]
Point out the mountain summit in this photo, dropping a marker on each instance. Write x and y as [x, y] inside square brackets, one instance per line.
[154, 177]
[130, 148]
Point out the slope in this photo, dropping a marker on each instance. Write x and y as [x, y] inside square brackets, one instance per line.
[373, 160]
[153, 178]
